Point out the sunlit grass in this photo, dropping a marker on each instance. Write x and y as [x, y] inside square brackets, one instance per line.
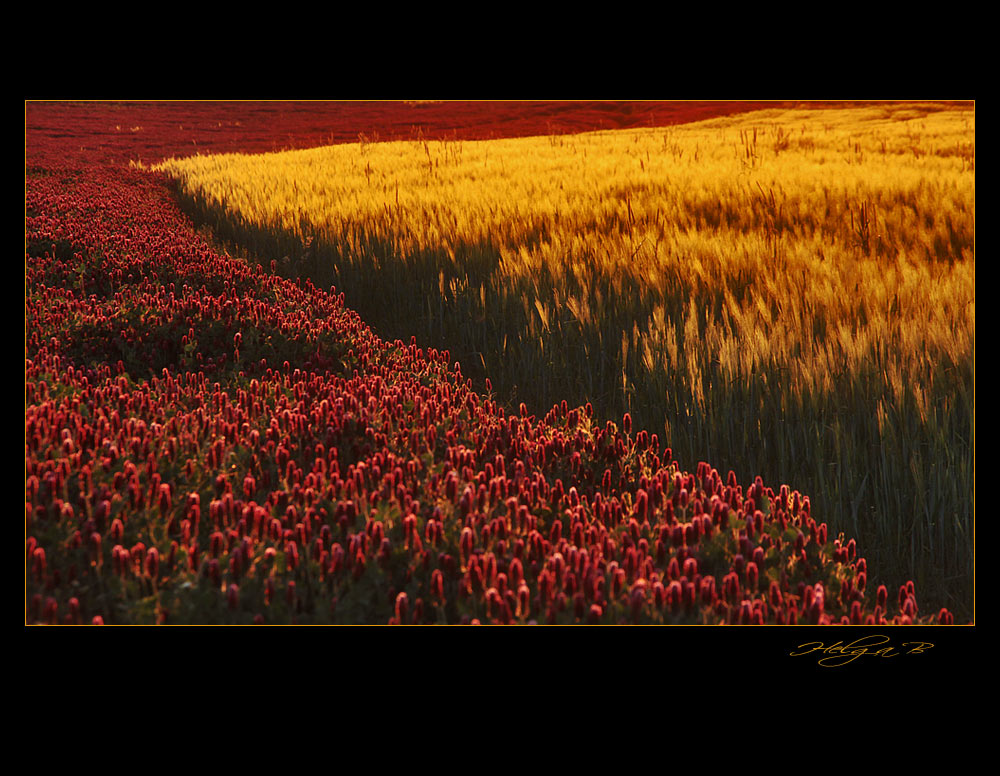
[786, 293]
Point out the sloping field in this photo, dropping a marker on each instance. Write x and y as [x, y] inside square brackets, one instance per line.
[149, 131]
[788, 292]
[207, 441]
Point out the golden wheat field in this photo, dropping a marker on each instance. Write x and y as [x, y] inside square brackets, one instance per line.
[785, 293]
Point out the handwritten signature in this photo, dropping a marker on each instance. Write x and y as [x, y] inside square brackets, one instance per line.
[841, 654]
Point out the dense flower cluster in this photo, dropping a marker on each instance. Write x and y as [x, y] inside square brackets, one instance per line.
[206, 442]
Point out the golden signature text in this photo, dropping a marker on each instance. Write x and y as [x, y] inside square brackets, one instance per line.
[840, 654]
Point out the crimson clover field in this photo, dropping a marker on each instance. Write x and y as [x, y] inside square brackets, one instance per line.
[216, 440]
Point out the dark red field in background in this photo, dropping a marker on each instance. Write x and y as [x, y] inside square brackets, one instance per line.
[150, 131]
